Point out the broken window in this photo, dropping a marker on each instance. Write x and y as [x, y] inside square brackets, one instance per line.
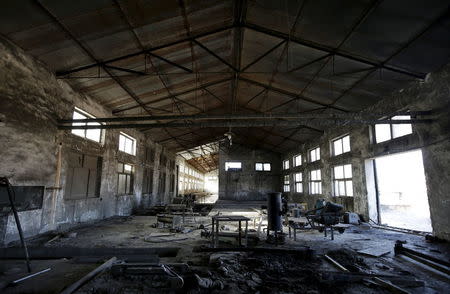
[314, 154]
[127, 144]
[298, 181]
[83, 176]
[341, 145]
[262, 166]
[147, 183]
[386, 132]
[91, 134]
[315, 182]
[298, 160]
[286, 186]
[286, 164]
[233, 166]
[342, 180]
[125, 181]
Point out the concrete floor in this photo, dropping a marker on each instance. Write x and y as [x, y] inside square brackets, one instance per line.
[137, 231]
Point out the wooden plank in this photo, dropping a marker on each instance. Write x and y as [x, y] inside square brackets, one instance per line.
[72, 288]
[68, 252]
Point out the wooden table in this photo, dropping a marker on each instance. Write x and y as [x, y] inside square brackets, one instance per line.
[228, 218]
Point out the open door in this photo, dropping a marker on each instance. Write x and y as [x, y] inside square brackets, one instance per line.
[401, 192]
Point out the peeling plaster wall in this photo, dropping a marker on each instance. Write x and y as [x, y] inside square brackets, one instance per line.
[248, 184]
[433, 139]
[31, 99]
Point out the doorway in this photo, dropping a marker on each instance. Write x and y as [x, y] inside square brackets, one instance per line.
[401, 191]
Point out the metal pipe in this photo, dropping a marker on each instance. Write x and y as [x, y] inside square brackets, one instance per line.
[241, 124]
[349, 116]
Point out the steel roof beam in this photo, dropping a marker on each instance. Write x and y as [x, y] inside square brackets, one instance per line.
[115, 111]
[146, 51]
[330, 50]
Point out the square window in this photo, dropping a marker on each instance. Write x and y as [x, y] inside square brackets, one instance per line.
[127, 144]
[314, 154]
[91, 134]
[341, 145]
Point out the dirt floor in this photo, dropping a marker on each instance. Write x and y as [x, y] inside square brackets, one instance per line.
[264, 271]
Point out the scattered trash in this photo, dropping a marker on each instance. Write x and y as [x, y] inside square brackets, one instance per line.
[207, 283]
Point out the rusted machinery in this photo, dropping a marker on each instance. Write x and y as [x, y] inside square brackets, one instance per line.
[324, 216]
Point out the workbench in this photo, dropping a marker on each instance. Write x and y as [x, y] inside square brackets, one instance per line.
[228, 218]
[296, 223]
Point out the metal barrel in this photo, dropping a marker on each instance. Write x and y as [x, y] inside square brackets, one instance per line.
[274, 209]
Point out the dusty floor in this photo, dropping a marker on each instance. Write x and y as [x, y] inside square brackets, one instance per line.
[243, 272]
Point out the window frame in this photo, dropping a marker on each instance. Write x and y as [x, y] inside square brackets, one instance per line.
[128, 174]
[286, 184]
[317, 154]
[294, 160]
[391, 128]
[312, 182]
[263, 167]
[286, 164]
[344, 179]
[227, 168]
[86, 115]
[298, 183]
[132, 139]
[340, 138]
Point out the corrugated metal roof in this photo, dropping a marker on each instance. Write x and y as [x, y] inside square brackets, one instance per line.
[181, 56]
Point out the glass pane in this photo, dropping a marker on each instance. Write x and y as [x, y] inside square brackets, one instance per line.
[122, 142]
[337, 145]
[319, 174]
[93, 134]
[341, 188]
[228, 165]
[339, 172]
[120, 167]
[78, 132]
[349, 186]
[403, 129]
[129, 189]
[77, 115]
[258, 166]
[128, 168]
[128, 146]
[346, 144]
[267, 167]
[297, 160]
[382, 132]
[348, 171]
[121, 184]
[336, 188]
[317, 153]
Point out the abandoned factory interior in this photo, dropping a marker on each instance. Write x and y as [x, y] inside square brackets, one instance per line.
[225, 146]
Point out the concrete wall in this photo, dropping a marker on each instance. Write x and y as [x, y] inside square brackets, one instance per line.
[31, 99]
[248, 184]
[433, 139]
[212, 182]
[182, 164]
